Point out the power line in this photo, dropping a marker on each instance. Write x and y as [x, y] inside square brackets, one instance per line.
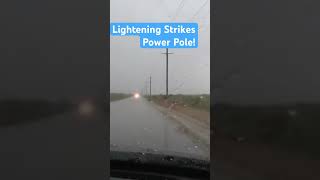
[204, 17]
[199, 10]
[179, 8]
[187, 76]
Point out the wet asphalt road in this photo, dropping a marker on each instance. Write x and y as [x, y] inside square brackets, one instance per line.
[137, 124]
[72, 146]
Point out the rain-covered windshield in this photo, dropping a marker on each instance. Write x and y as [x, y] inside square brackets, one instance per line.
[160, 98]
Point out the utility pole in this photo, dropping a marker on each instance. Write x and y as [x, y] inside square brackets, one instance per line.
[150, 88]
[146, 86]
[167, 58]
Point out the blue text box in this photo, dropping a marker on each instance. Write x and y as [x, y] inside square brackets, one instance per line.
[159, 35]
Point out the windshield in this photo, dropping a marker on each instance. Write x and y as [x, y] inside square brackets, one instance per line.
[160, 97]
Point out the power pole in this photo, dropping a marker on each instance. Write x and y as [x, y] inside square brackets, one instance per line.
[167, 58]
[150, 88]
[146, 86]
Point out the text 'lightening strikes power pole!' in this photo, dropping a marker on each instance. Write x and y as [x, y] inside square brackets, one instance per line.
[167, 58]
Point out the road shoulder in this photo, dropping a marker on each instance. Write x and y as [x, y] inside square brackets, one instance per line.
[198, 129]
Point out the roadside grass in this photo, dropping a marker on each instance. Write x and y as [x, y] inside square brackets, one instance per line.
[291, 125]
[118, 96]
[201, 101]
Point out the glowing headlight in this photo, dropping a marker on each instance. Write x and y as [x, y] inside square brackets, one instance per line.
[136, 95]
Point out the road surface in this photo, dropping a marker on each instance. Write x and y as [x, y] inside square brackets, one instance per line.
[67, 146]
[72, 146]
[137, 124]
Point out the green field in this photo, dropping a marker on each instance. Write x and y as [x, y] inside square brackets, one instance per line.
[118, 96]
[201, 101]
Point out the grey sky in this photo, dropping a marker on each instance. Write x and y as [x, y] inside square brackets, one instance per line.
[54, 49]
[189, 69]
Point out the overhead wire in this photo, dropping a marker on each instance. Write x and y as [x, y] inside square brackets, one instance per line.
[177, 12]
[199, 10]
[179, 8]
